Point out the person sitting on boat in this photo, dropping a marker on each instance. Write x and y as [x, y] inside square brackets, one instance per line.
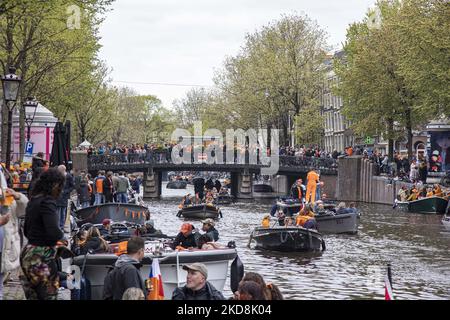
[187, 200]
[209, 228]
[126, 273]
[402, 194]
[341, 208]
[319, 207]
[288, 222]
[149, 229]
[430, 192]
[79, 240]
[94, 242]
[422, 193]
[352, 207]
[307, 210]
[185, 238]
[106, 227]
[209, 200]
[413, 194]
[438, 191]
[305, 220]
[204, 243]
[298, 191]
[281, 215]
[266, 222]
[197, 287]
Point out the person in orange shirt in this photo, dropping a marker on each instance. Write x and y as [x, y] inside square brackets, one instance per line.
[349, 151]
[313, 179]
[266, 222]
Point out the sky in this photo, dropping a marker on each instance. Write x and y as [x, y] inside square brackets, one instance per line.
[167, 47]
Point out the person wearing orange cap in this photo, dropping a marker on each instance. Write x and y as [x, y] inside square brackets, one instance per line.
[313, 179]
[185, 238]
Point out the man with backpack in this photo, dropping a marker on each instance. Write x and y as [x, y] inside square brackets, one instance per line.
[126, 272]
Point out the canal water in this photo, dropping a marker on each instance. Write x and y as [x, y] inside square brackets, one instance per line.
[351, 267]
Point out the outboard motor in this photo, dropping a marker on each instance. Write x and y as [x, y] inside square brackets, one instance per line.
[236, 274]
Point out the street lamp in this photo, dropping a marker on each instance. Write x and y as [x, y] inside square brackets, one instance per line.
[30, 107]
[11, 84]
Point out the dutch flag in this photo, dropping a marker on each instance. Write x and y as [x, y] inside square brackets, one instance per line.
[156, 292]
[388, 295]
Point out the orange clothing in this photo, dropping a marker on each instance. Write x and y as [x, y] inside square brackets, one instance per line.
[265, 223]
[301, 220]
[311, 187]
[99, 185]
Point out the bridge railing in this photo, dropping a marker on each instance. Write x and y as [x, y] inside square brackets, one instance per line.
[308, 162]
[164, 157]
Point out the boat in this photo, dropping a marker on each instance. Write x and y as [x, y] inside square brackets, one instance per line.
[224, 198]
[130, 212]
[177, 184]
[95, 267]
[337, 223]
[428, 205]
[289, 206]
[287, 239]
[263, 188]
[446, 222]
[200, 211]
[401, 205]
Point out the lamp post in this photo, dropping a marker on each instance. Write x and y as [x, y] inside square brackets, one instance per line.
[11, 84]
[30, 107]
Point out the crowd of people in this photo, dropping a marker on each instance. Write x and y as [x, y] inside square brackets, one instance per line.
[417, 192]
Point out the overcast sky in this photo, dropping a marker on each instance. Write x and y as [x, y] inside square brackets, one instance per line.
[184, 41]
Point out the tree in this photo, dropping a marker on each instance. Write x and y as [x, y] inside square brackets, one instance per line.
[309, 126]
[38, 39]
[377, 96]
[279, 70]
[424, 40]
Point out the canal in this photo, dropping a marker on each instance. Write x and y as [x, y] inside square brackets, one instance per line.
[351, 267]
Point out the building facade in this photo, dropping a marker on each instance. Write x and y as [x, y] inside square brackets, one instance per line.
[337, 133]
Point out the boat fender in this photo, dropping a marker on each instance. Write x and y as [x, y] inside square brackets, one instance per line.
[220, 213]
[323, 245]
[236, 274]
[179, 213]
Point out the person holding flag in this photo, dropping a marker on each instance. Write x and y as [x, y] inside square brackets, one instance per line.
[154, 282]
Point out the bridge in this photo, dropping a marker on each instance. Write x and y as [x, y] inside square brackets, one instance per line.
[152, 164]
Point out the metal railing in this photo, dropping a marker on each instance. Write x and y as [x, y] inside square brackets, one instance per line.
[164, 157]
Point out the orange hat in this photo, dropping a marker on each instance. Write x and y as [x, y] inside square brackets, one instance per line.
[186, 227]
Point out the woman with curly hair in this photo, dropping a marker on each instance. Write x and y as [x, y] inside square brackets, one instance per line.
[271, 291]
[40, 272]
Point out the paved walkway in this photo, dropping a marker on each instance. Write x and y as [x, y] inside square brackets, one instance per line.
[12, 290]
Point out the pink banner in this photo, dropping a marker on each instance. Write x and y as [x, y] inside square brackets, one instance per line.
[42, 137]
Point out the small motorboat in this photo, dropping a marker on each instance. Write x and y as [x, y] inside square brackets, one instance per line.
[114, 211]
[337, 223]
[94, 267]
[200, 211]
[436, 205]
[287, 239]
[176, 184]
[428, 205]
